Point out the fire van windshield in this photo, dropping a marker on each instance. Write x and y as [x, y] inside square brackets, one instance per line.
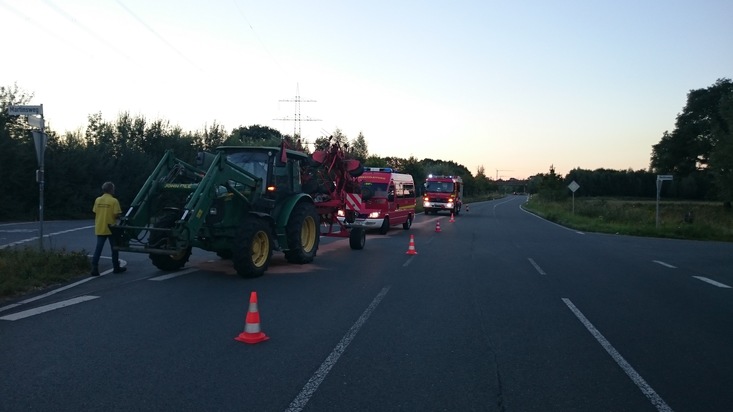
[439, 187]
[378, 189]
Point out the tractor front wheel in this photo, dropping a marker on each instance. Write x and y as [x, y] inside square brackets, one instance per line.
[252, 249]
[171, 262]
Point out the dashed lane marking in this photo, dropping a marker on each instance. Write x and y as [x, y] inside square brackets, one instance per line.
[174, 275]
[311, 386]
[659, 262]
[537, 267]
[647, 390]
[712, 282]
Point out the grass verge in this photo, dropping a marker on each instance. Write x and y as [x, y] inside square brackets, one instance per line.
[679, 220]
[26, 270]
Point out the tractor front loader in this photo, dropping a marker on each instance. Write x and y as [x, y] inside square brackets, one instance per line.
[240, 202]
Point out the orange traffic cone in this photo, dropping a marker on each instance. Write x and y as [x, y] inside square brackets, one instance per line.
[252, 332]
[437, 225]
[451, 217]
[411, 249]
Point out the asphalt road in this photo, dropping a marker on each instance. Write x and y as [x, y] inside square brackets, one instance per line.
[499, 311]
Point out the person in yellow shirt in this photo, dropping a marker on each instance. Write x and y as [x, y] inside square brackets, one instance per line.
[106, 211]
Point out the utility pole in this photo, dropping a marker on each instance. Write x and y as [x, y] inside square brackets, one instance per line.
[501, 170]
[296, 117]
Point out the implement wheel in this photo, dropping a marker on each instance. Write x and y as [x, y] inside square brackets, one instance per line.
[357, 238]
[303, 233]
[172, 262]
[252, 248]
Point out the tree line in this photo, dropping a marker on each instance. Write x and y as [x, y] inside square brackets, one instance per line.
[698, 152]
[126, 150]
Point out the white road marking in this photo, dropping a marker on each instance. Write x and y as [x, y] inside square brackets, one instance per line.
[408, 261]
[61, 289]
[311, 386]
[664, 264]
[537, 267]
[47, 308]
[30, 239]
[647, 390]
[549, 221]
[712, 282]
[174, 275]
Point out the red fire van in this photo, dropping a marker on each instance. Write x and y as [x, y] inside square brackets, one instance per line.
[389, 199]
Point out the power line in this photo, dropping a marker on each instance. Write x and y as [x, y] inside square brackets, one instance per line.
[156, 34]
[257, 37]
[90, 32]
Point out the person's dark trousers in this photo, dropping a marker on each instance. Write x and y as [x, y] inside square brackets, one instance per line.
[101, 240]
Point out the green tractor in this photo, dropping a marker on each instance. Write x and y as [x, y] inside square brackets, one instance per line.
[240, 202]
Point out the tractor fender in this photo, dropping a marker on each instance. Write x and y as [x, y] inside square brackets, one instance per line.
[286, 208]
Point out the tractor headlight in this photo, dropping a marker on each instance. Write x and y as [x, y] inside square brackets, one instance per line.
[341, 213]
[373, 215]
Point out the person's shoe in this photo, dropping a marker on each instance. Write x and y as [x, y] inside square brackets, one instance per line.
[94, 273]
[119, 270]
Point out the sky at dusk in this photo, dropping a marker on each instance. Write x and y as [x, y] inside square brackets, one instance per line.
[512, 87]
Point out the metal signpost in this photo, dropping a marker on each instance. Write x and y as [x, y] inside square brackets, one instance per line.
[35, 119]
[660, 179]
[573, 186]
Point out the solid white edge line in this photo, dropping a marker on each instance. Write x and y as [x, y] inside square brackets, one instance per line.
[61, 289]
[659, 262]
[20, 242]
[537, 267]
[549, 221]
[311, 386]
[47, 308]
[647, 390]
[712, 282]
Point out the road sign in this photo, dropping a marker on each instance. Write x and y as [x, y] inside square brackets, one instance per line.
[25, 110]
[573, 186]
[36, 121]
[40, 139]
[665, 177]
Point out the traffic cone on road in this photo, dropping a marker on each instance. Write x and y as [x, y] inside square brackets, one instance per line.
[411, 249]
[252, 332]
[437, 225]
[451, 217]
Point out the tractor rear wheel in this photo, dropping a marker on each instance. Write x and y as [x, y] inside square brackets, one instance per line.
[303, 233]
[172, 262]
[252, 248]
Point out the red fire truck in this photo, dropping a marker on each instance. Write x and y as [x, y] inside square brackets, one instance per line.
[443, 193]
[389, 199]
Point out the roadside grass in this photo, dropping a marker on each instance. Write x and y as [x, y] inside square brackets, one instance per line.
[25, 270]
[677, 219]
